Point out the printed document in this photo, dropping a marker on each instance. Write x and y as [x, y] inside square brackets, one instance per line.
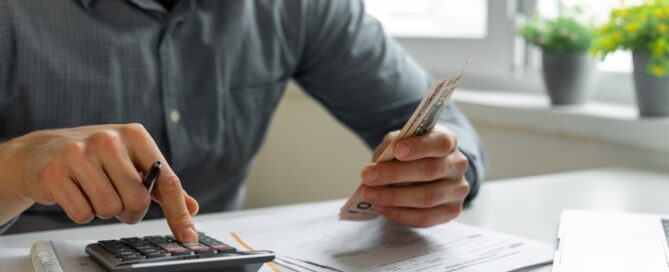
[322, 243]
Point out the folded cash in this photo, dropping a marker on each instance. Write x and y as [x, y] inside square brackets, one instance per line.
[423, 119]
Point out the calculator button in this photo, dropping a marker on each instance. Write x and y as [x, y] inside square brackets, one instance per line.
[111, 244]
[181, 253]
[122, 249]
[167, 244]
[144, 246]
[133, 258]
[108, 242]
[131, 240]
[217, 245]
[174, 249]
[224, 248]
[150, 250]
[124, 255]
[155, 255]
[196, 247]
[205, 252]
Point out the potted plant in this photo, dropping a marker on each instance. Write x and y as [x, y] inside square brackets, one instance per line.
[644, 30]
[569, 71]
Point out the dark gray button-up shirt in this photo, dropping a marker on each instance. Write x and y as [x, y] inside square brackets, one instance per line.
[205, 77]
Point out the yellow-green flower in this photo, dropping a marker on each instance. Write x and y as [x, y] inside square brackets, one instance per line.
[605, 29]
[644, 28]
[658, 70]
[608, 44]
[622, 13]
[632, 27]
[658, 50]
[659, 14]
[617, 36]
[595, 51]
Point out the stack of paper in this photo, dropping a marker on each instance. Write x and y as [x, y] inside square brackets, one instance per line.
[317, 242]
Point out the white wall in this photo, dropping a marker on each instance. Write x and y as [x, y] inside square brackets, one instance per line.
[526, 136]
[308, 156]
[517, 152]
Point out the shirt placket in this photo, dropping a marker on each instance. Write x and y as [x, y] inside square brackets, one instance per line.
[169, 84]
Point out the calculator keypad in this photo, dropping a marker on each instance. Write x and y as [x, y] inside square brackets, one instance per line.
[162, 248]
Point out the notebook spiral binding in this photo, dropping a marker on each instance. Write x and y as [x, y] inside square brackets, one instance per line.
[44, 257]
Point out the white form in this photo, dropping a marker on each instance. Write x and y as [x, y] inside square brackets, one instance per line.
[15, 259]
[71, 254]
[73, 257]
[379, 245]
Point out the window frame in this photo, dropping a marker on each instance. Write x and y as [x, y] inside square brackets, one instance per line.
[502, 60]
[444, 55]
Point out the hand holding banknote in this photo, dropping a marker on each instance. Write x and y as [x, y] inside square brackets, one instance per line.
[424, 185]
[417, 177]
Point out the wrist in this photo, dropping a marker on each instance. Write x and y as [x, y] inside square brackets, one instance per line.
[12, 201]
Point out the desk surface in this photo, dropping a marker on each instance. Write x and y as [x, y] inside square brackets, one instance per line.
[528, 207]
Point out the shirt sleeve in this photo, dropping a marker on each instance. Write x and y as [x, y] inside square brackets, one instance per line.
[5, 57]
[6, 45]
[6, 226]
[368, 82]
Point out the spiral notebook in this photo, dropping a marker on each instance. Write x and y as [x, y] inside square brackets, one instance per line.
[49, 256]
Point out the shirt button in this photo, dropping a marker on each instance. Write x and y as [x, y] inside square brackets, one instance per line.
[175, 116]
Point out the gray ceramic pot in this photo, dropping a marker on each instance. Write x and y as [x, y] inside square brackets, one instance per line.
[652, 93]
[570, 78]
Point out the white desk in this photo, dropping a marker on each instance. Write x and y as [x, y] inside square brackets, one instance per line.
[528, 207]
[531, 206]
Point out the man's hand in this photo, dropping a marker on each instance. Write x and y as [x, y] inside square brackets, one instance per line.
[425, 186]
[92, 171]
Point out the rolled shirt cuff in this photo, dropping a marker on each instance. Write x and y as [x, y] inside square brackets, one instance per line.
[7, 225]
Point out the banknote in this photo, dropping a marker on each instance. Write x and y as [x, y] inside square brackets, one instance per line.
[423, 119]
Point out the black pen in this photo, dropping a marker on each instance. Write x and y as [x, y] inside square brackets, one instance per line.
[152, 176]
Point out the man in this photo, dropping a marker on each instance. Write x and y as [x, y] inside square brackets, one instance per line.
[93, 92]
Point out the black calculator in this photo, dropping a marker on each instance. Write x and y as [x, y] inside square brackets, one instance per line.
[165, 253]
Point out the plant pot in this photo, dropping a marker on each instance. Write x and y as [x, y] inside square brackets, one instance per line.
[652, 93]
[570, 78]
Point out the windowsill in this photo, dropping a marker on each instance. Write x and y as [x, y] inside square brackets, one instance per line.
[598, 121]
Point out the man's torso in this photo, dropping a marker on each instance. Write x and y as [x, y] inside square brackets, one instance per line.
[203, 78]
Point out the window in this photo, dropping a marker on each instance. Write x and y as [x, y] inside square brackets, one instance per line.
[432, 18]
[442, 34]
